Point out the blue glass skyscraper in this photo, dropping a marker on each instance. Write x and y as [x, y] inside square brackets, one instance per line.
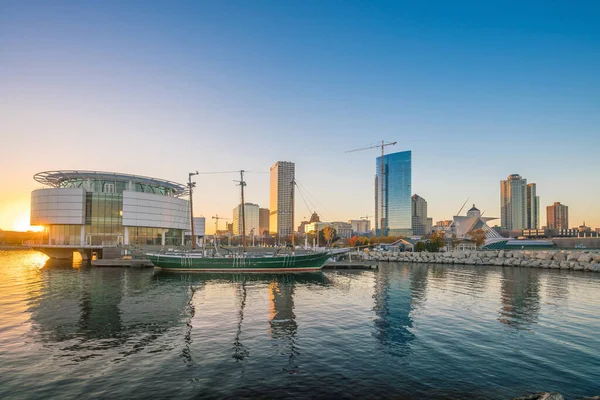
[393, 214]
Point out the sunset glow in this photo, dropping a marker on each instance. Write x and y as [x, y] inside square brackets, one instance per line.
[21, 224]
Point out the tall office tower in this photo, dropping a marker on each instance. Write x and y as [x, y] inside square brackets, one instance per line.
[282, 176]
[533, 208]
[557, 216]
[263, 220]
[392, 195]
[419, 215]
[251, 215]
[513, 202]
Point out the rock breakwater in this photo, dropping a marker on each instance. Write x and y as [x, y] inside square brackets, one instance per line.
[553, 259]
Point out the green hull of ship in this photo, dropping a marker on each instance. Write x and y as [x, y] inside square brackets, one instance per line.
[283, 263]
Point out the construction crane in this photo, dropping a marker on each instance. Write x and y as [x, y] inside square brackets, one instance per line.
[382, 145]
[217, 218]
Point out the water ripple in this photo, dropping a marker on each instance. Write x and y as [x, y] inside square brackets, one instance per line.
[404, 331]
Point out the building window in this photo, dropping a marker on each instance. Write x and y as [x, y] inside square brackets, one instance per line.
[109, 188]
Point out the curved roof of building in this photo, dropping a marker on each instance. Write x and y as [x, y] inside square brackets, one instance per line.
[56, 178]
[474, 208]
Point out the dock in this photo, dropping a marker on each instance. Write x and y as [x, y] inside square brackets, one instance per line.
[127, 263]
[350, 265]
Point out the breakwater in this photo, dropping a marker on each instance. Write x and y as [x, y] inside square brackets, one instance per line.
[565, 259]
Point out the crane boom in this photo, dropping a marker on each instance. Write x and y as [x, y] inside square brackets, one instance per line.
[373, 146]
[379, 216]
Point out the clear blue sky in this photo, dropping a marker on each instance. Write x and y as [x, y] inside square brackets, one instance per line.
[477, 90]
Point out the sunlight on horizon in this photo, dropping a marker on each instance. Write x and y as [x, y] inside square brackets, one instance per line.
[21, 224]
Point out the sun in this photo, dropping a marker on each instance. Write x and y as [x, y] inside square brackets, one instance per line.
[21, 224]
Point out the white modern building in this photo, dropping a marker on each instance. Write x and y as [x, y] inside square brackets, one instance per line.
[252, 217]
[93, 209]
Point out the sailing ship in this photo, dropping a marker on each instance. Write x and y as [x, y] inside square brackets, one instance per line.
[186, 261]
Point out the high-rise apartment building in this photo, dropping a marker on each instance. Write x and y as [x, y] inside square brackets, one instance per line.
[533, 207]
[393, 188]
[419, 216]
[282, 177]
[251, 215]
[263, 220]
[557, 216]
[519, 205]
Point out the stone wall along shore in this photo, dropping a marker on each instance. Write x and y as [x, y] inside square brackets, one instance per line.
[554, 259]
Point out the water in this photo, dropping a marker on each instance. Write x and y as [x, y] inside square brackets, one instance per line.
[409, 331]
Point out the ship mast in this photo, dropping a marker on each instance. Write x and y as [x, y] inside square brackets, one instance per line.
[191, 186]
[293, 246]
[242, 184]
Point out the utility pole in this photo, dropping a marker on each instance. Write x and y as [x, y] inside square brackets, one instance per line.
[191, 186]
[379, 215]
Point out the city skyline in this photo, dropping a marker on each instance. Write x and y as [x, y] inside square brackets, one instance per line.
[170, 89]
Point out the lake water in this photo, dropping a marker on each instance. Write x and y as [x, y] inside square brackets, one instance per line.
[404, 331]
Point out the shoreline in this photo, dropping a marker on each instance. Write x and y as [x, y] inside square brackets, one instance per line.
[551, 259]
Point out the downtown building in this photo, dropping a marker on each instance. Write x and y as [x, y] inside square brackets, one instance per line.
[263, 221]
[281, 201]
[360, 227]
[393, 186]
[87, 211]
[519, 204]
[557, 216]
[421, 224]
[252, 218]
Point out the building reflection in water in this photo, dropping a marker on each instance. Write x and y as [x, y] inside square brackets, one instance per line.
[520, 297]
[556, 285]
[282, 321]
[95, 309]
[393, 305]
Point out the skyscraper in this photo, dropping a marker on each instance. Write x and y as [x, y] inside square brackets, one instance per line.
[282, 176]
[392, 198]
[251, 215]
[519, 205]
[533, 207]
[419, 216]
[263, 220]
[557, 216]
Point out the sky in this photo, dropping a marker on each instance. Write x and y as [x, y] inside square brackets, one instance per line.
[476, 90]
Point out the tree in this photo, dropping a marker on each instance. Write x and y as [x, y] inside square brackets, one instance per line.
[477, 236]
[329, 235]
[420, 246]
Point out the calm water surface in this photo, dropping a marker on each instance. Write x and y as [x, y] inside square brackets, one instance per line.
[405, 331]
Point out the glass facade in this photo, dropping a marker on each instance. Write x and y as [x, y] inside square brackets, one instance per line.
[64, 235]
[103, 217]
[393, 218]
[115, 186]
[103, 210]
[153, 236]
